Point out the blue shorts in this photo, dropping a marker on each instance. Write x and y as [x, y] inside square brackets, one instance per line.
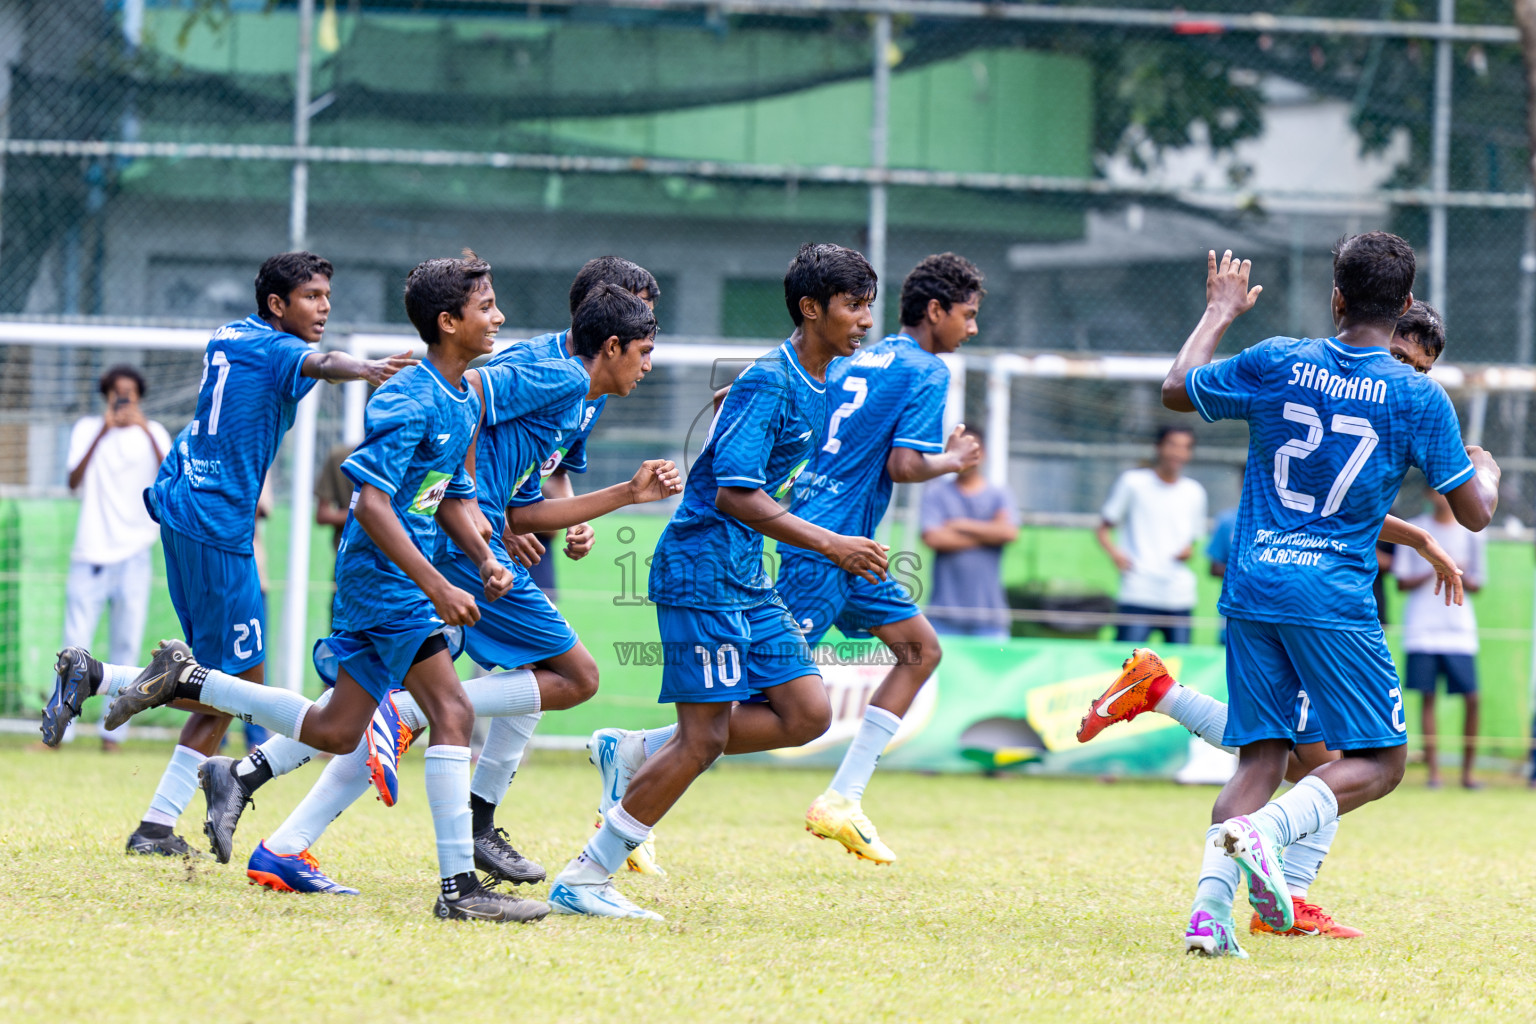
[710, 657]
[819, 596]
[380, 656]
[1349, 679]
[1425, 669]
[520, 628]
[217, 597]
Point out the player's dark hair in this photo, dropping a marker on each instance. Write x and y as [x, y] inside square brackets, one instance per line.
[610, 311]
[1171, 428]
[632, 277]
[1425, 323]
[442, 286]
[117, 373]
[282, 273]
[949, 278]
[1374, 273]
[821, 270]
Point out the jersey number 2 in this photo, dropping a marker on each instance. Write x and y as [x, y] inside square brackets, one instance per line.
[860, 388]
[1301, 447]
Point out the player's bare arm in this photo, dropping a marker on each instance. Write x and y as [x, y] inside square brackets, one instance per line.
[580, 537]
[753, 507]
[454, 516]
[909, 466]
[1446, 574]
[524, 548]
[655, 480]
[377, 518]
[1474, 502]
[1227, 297]
[337, 366]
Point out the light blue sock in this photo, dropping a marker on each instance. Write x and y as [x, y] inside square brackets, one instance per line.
[612, 844]
[115, 677]
[278, 709]
[875, 731]
[1304, 858]
[448, 795]
[502, 754]
[177, 785]
[1203, 715]
[1307, 808]
[1219, 875]
[282, 753]
[655, 739]
[344, 780]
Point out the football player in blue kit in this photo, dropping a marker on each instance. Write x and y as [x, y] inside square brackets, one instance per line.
[546, 666]
[1144, 683]
[542, 413]
[392, 605]
[255, 371]
[735, 664]
[886, 426]
[1334, 424]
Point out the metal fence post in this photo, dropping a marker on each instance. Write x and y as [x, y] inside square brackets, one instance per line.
[1440, 156]
[879, 145]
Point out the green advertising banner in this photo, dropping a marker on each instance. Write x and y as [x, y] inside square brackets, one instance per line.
[1012, 705]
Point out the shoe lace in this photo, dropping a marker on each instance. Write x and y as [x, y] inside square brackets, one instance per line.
[1313, 911]
[308, 858]
[403, 740]
[498, 837]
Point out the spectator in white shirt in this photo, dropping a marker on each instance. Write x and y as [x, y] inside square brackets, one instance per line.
[112, 458]
[1441, 640]
[1160, 514]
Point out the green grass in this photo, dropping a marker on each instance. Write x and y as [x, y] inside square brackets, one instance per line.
[1014, 899]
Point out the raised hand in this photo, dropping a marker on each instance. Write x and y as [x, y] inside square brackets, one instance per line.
[377, 371]
[1226, 285]
[655, 480]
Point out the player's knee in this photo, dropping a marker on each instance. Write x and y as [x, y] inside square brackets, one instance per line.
[583, 682]
[703, 748]
[810, 723]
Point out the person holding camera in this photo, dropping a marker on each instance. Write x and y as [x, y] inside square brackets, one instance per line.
[112, 458]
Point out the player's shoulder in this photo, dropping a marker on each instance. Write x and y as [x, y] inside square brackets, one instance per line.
[535, 349]
[769, 372]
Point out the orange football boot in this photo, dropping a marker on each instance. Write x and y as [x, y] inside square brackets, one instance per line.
[1142, 682]
[1311, 919]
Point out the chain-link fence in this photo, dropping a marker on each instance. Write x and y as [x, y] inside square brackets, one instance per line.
[153, 152]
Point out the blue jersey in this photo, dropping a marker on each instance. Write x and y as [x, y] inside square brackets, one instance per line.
[569, 448]
[529, 407]
[208, 486]
[418, 428]
[892, 395]
[763, 436]
[1332, 431]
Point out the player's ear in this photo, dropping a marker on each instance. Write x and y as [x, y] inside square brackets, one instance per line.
[613, 348]
[276, 305]
[935, 311]
[810, 309]
[447, 323]
[1407, 305]
[1336, 305]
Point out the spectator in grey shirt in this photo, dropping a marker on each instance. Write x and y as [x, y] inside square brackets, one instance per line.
[966, 521]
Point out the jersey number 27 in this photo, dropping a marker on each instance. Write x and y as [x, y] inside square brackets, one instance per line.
[1301, 447]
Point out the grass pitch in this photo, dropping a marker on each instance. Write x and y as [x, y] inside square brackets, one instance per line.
[1013, 900]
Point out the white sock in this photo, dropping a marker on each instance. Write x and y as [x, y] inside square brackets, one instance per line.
[1304, 858]
[504, 693]
[1307, 808]
[1218, 878]
[283, 753]
[1203, 715]
[177, 785]
[410, 712]
[115, 677]
[502, 754]
[875, 731]
[609, 847]
[655, 739]
[277, 709]
[448, 795]
[344, 780]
